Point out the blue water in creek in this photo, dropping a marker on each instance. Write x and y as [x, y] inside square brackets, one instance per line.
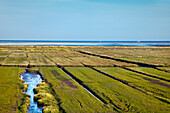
[32, 80]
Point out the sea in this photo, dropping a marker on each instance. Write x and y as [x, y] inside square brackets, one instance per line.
[86, 43]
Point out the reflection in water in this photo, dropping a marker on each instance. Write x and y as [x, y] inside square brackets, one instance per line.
[32, 80]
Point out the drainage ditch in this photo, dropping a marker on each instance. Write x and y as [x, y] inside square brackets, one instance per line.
[84, 86]
[32, 79]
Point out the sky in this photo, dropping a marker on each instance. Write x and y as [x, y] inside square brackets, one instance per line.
[105, 20]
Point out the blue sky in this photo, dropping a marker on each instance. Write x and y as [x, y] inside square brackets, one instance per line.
[117, 20]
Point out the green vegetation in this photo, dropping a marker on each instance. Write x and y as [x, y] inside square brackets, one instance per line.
[164, 68]
[63, 53]
[148, 60]
[152, 71]
[96, 61]
[159, 56]
[35, 55]
[1, 60]
[33, 70]
[17, 61]
[147, 92]
[45, 98]
[4, 54]
[119, 96]
[161, 52]
[65, 61]
[52, 56]
[10, 89]
[24, 87]
[71, 96]
[41, 61]
[147, 84]
[24, 103]
[17, 55]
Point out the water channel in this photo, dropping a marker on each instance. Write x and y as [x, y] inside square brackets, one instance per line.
[32, 80]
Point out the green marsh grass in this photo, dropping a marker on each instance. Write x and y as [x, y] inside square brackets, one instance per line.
[116, 94]
[17, 61]
[147, 84]
[17, 55]
[65, 61]
[45, 98]
[148, 60]
[41, 61]
[159, 56]
[24, 103]
[164, 68]
[10, 89]
[72, 97]
[152, 71]
[2, 60]
[33, 70]
[4, 54]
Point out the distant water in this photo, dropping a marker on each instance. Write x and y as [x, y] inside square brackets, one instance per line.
[86, 43]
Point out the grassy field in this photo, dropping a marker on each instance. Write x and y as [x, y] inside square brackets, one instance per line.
[159, 56]
[72, 97]
[17, 55]
[35, 55]
[96, 61]
[147, 84]
[152, 71]
[119, 96]
[1, 60]
[128, 89]
[66, 53]
[51, 56]
[10, 92]
[4, 54]
[149, 60]
[129, 51]
[16, 61]
[65, 61]
[41, 61]
[164, 68]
